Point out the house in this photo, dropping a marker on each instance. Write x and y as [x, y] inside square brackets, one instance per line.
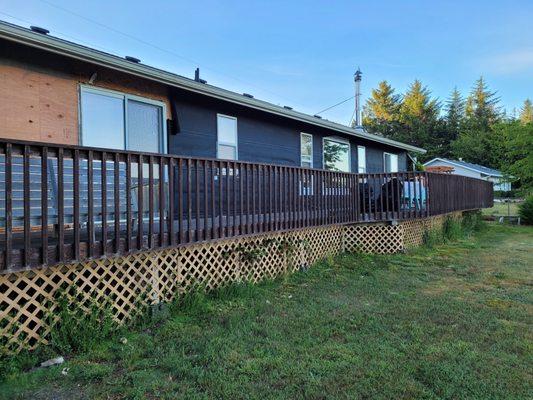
[123, 183]
[460, 167]
[56, 91]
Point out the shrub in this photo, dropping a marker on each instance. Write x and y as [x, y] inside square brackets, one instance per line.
[525, 211]
[472, 222]
[451, 229]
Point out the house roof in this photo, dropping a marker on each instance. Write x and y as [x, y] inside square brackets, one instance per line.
[473, 167]
[56, 45]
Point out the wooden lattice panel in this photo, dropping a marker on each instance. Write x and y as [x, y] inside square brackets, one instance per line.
[129, 283]
[27, 297]
[373, 238]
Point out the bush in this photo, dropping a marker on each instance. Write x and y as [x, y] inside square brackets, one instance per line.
[525, 211]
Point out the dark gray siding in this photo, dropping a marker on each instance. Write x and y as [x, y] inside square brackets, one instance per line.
[261, 137]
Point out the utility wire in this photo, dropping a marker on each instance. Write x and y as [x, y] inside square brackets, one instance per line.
[335, 105]
[196, 63]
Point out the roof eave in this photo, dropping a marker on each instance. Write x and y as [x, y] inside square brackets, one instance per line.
[82, 53]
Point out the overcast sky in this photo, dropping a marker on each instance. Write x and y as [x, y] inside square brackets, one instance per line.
[304, 53]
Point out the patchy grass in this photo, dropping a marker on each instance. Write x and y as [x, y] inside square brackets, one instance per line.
[502, 209]
[451, 321]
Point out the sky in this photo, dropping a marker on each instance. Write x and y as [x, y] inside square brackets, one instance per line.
[304, 53]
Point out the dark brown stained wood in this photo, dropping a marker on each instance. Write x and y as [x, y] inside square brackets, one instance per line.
[197, 202]
[162, 203]
[150, 202]
[140, 202]
[220, 200]
[116, 202]
[171, 198]
[213, 203]
[44, 205]
[76, 199]
[189, 200]
[27, 216]
[60, 206]
[251, 198]
[206, 203]
[228, 208]
[9, 206]
[104, 202]
[129, 216]
[90, 204]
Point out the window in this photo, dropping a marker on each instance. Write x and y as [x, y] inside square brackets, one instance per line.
[121, 121]
[336, 155]
[361, 159]
[390, 162]
[226, 137]
[306, 150]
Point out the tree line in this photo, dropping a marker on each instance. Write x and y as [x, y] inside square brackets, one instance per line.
[475, 128]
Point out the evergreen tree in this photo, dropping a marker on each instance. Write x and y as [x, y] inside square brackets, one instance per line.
[526, 112]
[455, 110]
[417, 104]
[381, 112]
[482, 106]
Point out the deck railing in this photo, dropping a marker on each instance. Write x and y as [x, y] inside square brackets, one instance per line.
[66, 203]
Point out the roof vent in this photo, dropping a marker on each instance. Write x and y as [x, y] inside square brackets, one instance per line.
[287, 107]
[197, 76]
[317, 116]
[133, 59]
[40, 30]
[248, 95]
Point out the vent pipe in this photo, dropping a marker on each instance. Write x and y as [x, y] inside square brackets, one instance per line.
[357, 79]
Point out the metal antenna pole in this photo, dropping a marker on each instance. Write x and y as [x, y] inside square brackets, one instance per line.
[357, 79]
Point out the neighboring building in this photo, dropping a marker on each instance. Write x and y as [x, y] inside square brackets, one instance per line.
[459, 167]
[52, 90]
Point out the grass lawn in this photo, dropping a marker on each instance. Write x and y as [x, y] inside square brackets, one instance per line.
[500, 209]
[452, 322]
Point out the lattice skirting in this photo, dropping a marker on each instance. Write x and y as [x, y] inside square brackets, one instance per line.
[27, 298]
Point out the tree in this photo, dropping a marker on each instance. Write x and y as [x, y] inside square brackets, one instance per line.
[455, 111]
[381, 112]
[526, 112]
[417, 104]
[482, 106]
[517, 157]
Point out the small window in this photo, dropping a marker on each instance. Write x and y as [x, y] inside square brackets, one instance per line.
[336, 155]
[390, 162]
[306, 150]
[361, 159]
[226, 137]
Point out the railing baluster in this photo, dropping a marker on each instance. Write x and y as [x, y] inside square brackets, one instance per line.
[90, 205]
[197, 202]
[104, 202]
[206, 204]
[76, 199]
[44, 205]
[116, 201]
[213, 202]
[27, 210]
[162, 203]
[150, 202]
[129, 216]
[171, 199]
[60, 206]
[189, 201]
[9, 206]
[180, 190]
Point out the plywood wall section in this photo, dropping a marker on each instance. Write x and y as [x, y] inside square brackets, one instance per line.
[37, 106]
[39, 100]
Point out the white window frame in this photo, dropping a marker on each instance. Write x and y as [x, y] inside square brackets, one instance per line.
[302, 134]
[341, 141]
[236, 144]
[125, 97]
[359, 167]
[385, 163]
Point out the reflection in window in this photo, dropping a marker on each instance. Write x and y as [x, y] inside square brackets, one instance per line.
[306, 150]
[336, 155]
[391, 162]
[226, 137]
[361, 159]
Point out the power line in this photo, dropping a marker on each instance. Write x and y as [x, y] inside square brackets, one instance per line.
[162, 49]
[335, 105]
